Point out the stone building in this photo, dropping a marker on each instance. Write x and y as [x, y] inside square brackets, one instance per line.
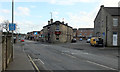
[34, 35]
[75, 32]
[107, 25]
[85, 32]
[57, 32]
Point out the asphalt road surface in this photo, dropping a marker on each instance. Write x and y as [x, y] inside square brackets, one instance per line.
[55, 57]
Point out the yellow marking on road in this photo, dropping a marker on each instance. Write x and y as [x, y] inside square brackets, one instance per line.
[34, 64]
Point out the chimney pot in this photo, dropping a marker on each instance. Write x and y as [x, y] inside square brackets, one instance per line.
[48, 22]
[51, 21]
[102, 6]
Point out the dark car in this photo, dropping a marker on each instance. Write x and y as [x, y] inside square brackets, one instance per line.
[74, 40]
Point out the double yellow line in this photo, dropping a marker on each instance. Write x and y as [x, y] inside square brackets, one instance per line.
[34, 64]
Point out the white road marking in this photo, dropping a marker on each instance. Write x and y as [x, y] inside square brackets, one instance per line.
[46, 45]
[73, 53]
[29, 41]
[41, 61]
[66, 51]
[70, 55]
[101, 65]
[85, 53]
[38, 60]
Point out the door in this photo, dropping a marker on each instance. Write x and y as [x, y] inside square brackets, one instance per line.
[114, 39]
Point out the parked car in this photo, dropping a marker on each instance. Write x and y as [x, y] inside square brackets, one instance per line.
[80, 39]
[22, 40]
[88, 40]
[74, 40]
[96, 41]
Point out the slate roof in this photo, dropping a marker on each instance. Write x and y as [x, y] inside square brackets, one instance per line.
[114, 11]
[86, 29]
[57, 22]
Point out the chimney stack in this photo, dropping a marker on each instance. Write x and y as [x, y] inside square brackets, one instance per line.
[102, 6]
[51, 21]
[48, 22]
[66, 24]
[62, 22]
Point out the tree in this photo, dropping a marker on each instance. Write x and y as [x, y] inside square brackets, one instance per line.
[5, 26]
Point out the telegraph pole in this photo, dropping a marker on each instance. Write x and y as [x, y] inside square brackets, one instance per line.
[12, 12]
[106, 31]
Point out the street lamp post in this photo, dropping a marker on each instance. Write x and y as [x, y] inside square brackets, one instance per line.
[12, 50]
[106, 31]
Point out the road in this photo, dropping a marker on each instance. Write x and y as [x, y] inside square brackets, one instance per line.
[57, 57]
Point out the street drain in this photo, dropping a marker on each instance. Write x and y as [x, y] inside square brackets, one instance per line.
[35, 43]
[78, 49]
[118, 56]
[37, 54]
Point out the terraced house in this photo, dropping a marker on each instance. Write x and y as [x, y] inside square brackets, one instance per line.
[57, 32]
[107, 25]
[85, 32]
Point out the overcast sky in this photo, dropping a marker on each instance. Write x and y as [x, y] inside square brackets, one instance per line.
[32, 15]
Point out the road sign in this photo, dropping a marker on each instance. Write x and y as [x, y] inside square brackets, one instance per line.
[35, 33]
[103, 33]
[12, 26]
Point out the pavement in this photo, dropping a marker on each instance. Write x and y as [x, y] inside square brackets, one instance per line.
[21, 61]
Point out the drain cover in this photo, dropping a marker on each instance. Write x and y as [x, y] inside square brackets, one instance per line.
[79, 49]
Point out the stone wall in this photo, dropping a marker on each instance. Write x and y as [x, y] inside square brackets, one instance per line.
[6, 51]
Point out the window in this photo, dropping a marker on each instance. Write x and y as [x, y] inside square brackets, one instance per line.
[114, 32]
[57, 27]
[85, 33]
[90, 34]
[80, 33]
[115, 21]
[57, 37]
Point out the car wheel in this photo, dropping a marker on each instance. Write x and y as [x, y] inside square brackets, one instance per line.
[90, 44]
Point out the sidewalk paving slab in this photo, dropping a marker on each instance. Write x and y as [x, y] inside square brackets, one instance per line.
[21, 62]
